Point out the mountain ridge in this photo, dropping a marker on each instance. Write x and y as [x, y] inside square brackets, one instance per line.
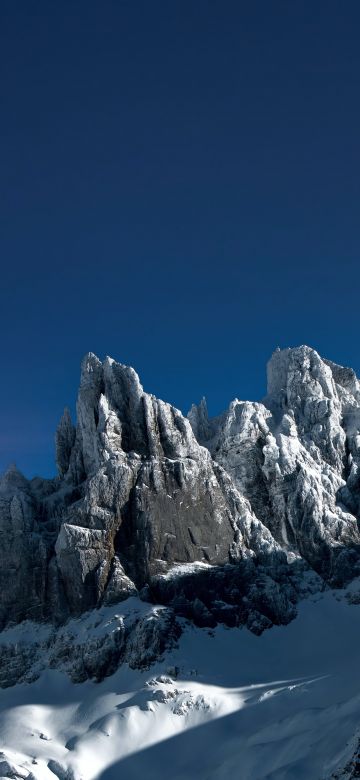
[230, 519]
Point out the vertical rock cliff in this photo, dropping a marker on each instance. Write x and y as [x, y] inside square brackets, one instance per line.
[232, 518]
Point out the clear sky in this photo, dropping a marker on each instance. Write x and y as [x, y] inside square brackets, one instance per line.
[179, 187]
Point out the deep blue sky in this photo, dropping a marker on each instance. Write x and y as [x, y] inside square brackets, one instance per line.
[179, 189]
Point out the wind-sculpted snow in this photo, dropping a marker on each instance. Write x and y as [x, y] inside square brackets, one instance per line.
[230, 520]
[221, 704]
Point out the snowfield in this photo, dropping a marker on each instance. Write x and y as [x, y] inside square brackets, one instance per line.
[223, 704]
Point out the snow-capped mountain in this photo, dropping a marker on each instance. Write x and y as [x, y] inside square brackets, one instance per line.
[160, 529]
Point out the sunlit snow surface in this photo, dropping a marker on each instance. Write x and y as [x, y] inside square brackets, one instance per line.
[224, 704]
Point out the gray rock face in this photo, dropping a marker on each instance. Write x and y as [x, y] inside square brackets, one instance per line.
[136, 494]
[295, 457]
[23, 553]
[150, 495]
[228, 519]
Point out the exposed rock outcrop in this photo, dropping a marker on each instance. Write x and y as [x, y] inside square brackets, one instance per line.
[228, 519]
[90, 647]
[295, 457]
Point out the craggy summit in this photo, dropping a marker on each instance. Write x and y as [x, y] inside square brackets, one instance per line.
[229, 519]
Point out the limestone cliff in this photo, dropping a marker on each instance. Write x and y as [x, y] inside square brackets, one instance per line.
[229, 519]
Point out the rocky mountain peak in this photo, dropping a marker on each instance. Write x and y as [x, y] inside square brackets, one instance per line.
[12, 480]
[218, 517]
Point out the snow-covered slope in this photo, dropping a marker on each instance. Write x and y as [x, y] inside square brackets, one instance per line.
[222, 704]
[136, 587]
